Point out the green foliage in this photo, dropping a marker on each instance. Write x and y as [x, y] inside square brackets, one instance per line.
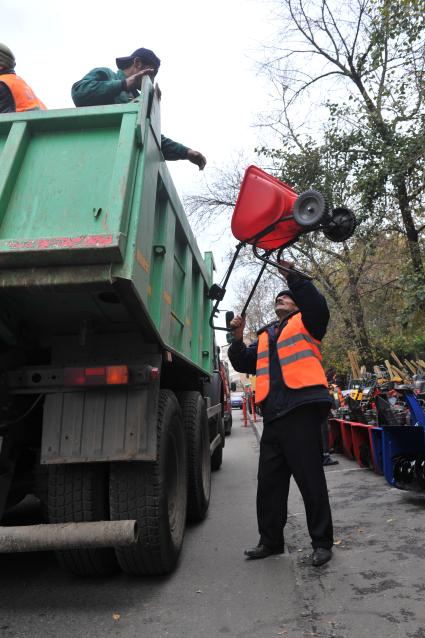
[367, 155]
[413, 311]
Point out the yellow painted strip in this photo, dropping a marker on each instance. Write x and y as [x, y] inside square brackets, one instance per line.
[167, 297]
[149, 290]
[188, 321]
[142, 261]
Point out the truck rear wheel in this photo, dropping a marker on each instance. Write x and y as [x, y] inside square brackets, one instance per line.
[217, 458]
[195, 421]
[155, 494]
[78, 493]
[217, 455]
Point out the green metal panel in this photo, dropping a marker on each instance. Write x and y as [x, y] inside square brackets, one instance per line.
[189, 309]
[51, 160]
[64, 191]
[208, 337]
[88, 192]
[198, 317]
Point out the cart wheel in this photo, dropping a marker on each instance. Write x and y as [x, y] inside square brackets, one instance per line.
[341, 225]
[310, 210]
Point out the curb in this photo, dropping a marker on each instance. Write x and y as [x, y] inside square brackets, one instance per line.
[256, 426]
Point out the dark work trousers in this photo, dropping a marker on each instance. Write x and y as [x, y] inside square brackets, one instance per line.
[292, 446]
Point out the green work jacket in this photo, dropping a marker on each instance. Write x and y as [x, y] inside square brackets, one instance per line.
[104, 86]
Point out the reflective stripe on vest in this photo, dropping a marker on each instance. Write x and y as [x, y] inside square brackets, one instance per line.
[24, 97]
[299, 356]
[262, 384]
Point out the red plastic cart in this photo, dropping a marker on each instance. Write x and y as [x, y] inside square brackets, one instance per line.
[271, 216]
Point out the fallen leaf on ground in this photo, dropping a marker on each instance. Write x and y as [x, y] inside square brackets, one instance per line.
[116, 616]
[390, 520]
[337, 542]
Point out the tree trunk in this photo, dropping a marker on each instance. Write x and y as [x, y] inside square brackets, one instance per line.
[409, 225]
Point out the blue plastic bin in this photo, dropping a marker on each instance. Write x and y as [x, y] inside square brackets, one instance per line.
[397, 440]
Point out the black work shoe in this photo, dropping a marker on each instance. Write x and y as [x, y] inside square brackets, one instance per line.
[262, 551]
[328, 460]
[321, 555]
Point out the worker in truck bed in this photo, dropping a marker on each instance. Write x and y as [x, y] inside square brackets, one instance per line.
[15, 94]
[293, 390]
[104, 86]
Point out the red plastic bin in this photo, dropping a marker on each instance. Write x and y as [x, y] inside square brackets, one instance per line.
[263, 201]
[334, 435]
[361, 438]
[347, 439]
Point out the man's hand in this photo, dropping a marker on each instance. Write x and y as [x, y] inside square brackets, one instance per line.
[135, 81]
[285, 264]
[196, 158]
[237, 325]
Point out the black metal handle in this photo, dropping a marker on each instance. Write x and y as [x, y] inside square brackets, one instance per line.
[229, 316]
[276, 264]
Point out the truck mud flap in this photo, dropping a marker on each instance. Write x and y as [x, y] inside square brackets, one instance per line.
[116, 424]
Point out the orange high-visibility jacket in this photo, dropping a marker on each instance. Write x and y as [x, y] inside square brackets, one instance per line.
[299, 355]
[335, 390]
[24, 96]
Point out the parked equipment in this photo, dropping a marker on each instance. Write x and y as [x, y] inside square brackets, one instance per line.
[110, 393]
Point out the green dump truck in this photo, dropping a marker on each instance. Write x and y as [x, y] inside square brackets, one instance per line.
[111, 400]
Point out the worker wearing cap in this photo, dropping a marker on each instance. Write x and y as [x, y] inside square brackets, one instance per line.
[15, 94]
[292, 389]
[104, 86]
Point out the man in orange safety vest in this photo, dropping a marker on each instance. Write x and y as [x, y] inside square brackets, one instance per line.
[292, 389]
[15, 94]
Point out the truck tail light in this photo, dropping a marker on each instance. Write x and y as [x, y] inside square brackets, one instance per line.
[117, 375]
[107, 375]
[154, 374]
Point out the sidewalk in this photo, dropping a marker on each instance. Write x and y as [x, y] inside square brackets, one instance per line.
[375, 582]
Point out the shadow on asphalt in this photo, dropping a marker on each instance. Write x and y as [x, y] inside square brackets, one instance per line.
[39, 579]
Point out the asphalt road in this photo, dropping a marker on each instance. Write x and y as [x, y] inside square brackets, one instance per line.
[374, 585]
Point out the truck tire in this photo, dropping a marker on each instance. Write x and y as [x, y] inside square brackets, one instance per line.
[195, 421]
[155, 494]
[228, 425]
[217, 458]
[217, 455]
[78, 493]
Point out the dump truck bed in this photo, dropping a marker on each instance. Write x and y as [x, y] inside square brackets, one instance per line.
[92, 232]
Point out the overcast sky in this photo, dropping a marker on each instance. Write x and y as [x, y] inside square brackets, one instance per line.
[211, 93]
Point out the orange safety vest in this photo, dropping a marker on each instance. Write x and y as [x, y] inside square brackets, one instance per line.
[24, 96]
[336, 393]
[299, 355]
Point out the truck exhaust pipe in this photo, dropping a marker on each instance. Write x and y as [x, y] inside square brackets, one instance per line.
[60, 536]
